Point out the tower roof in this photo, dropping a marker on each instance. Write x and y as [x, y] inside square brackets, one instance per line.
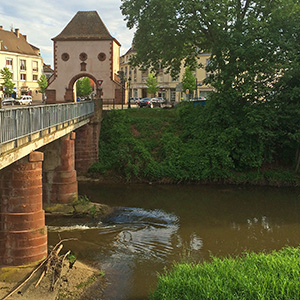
[85, 25]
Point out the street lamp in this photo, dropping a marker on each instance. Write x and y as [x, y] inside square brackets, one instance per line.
[129, 92]
[122, 81]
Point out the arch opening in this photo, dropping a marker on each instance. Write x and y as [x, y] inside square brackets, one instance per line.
[82, 87]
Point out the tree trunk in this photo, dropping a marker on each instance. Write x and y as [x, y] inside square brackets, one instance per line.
[297, 159]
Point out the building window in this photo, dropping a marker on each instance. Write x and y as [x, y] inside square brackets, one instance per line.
[35, 66]
[65, 56]
[83, 56]
[207, 73]
[35, 78]
[23, 65]
[23, 77]
[9, 63]
[102, 56]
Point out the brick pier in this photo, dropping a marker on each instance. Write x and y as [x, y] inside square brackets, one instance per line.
[23, 234]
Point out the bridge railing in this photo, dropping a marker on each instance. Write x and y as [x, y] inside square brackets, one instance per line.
[18, 122]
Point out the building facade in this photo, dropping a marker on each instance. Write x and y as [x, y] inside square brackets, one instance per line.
[84, 48]
[24, 62]
[170, 89]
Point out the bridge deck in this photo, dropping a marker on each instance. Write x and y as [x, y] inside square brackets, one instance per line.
[25, 129]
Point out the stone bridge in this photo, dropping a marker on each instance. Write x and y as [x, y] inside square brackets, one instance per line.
[42, 148]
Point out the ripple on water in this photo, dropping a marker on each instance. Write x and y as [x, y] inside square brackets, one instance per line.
[147, 233]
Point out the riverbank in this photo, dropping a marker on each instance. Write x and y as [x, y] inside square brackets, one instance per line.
[76, 283]
[273, 178]
[184, 146]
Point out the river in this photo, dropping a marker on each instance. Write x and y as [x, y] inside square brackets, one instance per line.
[154, 226]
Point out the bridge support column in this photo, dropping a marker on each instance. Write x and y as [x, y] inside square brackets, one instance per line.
[23, 234]
[59, 176]
[87, 141]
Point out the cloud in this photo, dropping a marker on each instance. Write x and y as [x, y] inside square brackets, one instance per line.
[42, 20]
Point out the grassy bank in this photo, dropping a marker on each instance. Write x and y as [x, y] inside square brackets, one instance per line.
[253, 276]
[191, 144]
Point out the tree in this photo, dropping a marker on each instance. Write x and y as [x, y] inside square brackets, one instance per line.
[152, 85]
[188, 81]
[43, 83]
[83, 86]
[241, 35]
[8, 85]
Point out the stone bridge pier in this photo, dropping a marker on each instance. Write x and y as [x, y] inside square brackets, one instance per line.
[44, 176]
[23, 234]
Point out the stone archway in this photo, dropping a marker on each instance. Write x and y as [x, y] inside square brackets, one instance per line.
[84, 48]
[69, 95]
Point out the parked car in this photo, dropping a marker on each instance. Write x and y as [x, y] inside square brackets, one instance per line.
[9, 101]
[25, 100]
[158, 101]
[135, 100]
[198, 99]
[145, 102]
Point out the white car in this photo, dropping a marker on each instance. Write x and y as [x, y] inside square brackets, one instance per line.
[9, 101]
[25, 100]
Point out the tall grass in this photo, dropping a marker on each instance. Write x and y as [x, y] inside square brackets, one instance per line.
[252, 276]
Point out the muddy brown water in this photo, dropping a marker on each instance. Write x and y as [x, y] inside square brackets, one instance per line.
[154, 226]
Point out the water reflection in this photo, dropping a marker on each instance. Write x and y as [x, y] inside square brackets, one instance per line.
[151, 227]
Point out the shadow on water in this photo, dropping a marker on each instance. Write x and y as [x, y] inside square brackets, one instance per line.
[153, 226]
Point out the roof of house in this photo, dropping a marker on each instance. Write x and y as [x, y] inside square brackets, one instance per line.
[85, 25]
[47, 69]
[16, 42]
[130, 50]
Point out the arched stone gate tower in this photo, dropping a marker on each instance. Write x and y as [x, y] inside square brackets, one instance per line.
[84, 48]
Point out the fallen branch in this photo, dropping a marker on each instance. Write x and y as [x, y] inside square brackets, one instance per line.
[54, 253]
[58, 270]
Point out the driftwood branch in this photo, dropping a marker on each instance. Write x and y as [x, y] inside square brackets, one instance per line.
[46, 263]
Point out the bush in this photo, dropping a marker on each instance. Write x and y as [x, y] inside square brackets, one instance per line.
[252, 276]
[210, 143]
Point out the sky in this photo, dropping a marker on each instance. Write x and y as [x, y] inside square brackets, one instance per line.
[42, 20]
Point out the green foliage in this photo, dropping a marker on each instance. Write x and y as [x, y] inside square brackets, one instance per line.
[43, 83]
[193, 144]
[248, 40]
[151, 83]
[252, 276]
[252, 116]
[93, 211]
[80, 200]
[8, 85]
[83, 86]
[188, 80]
[72, 258]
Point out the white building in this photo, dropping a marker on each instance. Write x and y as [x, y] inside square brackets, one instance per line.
[24, 62]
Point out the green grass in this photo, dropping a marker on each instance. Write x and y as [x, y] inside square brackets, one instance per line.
[252, 276]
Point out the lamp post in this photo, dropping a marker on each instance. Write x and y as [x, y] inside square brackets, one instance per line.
[129, 92]
[122, 81]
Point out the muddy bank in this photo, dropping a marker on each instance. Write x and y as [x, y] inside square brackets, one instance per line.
[79, 282]
[237, 181]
